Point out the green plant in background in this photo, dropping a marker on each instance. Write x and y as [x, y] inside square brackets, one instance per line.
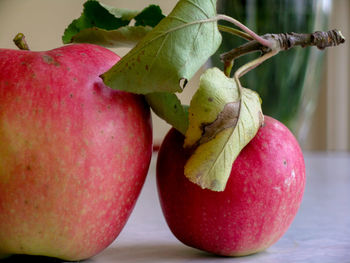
[288, 83]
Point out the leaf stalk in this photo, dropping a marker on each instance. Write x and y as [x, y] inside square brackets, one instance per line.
[235, 32]
[255, 36]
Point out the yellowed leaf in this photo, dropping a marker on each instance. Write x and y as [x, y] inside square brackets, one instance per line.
[222, 121]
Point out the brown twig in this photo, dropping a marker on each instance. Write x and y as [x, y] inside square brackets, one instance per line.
[285, 41]
[319, 39]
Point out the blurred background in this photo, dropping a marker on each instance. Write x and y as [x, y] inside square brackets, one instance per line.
[306, 89]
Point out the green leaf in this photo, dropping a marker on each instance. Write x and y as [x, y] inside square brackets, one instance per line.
[171, 53]
[122, 37]
[222, 121]
[107, 26]
[168, 107]
[98, 15]
[150, 16]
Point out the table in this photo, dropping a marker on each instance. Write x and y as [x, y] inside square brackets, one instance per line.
[320, 232]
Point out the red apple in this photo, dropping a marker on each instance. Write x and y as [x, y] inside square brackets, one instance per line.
[73, 153]
[261, 198]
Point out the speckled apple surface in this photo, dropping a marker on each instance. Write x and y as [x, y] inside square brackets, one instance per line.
[73, 153]
[259, 203]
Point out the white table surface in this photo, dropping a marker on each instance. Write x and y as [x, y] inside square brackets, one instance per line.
[320, 232]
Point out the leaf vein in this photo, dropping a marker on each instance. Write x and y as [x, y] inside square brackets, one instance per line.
[227, 142]
[165, 33]
[158, 51]
[198, 7]
[178, 19]
[256, 125]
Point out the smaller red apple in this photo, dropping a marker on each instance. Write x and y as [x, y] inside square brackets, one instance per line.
[259, 203]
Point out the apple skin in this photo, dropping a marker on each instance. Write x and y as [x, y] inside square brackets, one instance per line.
[256, 208]
[73, 153]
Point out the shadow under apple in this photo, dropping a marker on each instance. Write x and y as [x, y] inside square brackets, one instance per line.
[159, 252]
[30, 258]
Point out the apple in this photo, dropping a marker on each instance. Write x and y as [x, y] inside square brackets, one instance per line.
[73, 153]
[261, 198]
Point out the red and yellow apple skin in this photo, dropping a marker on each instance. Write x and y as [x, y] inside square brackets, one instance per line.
[256, 208]
[73, 153]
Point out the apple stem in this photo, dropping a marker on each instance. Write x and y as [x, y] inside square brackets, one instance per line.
[228, 65]
[20, 42]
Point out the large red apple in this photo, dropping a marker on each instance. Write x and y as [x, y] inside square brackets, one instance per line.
[73, 153]
[260, 200]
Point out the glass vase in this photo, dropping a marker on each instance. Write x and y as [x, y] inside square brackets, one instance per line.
[289, 82]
